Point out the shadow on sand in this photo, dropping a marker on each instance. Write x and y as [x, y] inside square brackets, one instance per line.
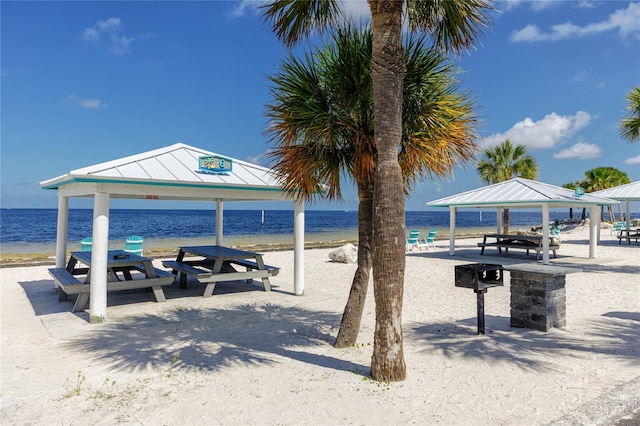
[613, 333]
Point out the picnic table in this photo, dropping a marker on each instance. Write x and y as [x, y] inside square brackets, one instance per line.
[125, 271]
[629, 234]
[211, 264]
[514, 241]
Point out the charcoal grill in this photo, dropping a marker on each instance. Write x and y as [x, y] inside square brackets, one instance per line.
[479, 277]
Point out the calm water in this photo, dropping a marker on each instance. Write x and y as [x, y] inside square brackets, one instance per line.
[29, 230]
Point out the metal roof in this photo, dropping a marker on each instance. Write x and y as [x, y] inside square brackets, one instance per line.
[628, 192]
[520, 193]
[170, 173]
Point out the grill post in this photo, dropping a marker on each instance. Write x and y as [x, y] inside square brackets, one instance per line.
[479, 277]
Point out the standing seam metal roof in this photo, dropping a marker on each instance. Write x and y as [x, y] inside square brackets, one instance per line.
[518, 192]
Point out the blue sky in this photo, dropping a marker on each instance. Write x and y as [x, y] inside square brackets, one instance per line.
[87, 82]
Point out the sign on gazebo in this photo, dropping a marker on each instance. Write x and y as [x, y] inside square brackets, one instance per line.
[215, 164]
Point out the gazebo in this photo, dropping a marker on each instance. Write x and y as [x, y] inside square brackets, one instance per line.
[524, 193]
[176, 172]
[627, 193]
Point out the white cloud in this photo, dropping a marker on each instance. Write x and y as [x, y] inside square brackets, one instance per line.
[88, 103]
[625, 21]
[545, 133]
[580, 150]
[633, 160]
[109, 30]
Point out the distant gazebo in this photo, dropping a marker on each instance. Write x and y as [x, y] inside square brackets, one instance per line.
[627, 193]
[177, 172]
[524, 193]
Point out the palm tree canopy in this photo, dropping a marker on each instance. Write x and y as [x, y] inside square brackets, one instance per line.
[507, 161]
[630, 124]
[454, 25]
[604, 178]
[294, 20]
[321, 122]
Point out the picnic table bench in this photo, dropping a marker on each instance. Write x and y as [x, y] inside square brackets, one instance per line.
[513, 241]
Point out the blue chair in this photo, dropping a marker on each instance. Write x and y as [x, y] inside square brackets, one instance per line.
[133, 244]
[619, 227]
[86, 244]
[429, 240]
[413, 240]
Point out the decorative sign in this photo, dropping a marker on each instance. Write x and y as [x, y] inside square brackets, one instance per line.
[214, 164]
[578, 191]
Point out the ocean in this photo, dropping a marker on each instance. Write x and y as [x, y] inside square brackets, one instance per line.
[33, 231]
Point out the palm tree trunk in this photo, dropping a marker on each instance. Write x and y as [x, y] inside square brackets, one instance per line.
[388, 67]
[352, 315]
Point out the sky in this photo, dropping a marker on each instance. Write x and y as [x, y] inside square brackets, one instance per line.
[88, 82]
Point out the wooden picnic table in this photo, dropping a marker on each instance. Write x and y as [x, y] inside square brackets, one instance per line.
[514, 241]
[125, 271]
[211, 264]
[629, 234]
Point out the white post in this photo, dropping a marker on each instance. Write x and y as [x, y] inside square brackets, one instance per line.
[627, 218]
[298, 248]
[99, 257]
[452, 230]
[594, 225]
[62, 231]
[219, 222]
[545, 234]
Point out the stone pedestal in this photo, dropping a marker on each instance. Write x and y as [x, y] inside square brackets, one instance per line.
[538, 300]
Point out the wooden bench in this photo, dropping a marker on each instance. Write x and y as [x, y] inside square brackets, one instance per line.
[274, 270]
[519, 245]
[185, 269]
[68, 284]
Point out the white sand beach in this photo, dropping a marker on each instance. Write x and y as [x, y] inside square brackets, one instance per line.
[246, 356]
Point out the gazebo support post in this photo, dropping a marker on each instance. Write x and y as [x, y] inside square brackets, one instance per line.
[99, 257]
[594, 225]
[627, 218]
[61, 231]
[452, 230]
[298, 247]
[219, 222]
[498, 220]
[545, 234]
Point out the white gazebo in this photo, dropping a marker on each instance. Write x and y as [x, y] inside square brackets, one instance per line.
[627, 193]
[523, 193]
[176, 172]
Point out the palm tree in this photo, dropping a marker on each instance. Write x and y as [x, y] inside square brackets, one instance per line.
[630, 124]
[603, 178]
[453, 25]
[506, 161]
[322, 127]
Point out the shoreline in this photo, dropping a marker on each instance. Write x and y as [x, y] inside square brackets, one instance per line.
[44, 253]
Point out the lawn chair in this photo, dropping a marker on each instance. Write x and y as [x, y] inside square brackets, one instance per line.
[429, 240]
[86, 244]
[133, 244]
[413, 240]
[619, 227]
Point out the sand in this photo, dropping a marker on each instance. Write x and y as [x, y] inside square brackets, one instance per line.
[245, 356]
